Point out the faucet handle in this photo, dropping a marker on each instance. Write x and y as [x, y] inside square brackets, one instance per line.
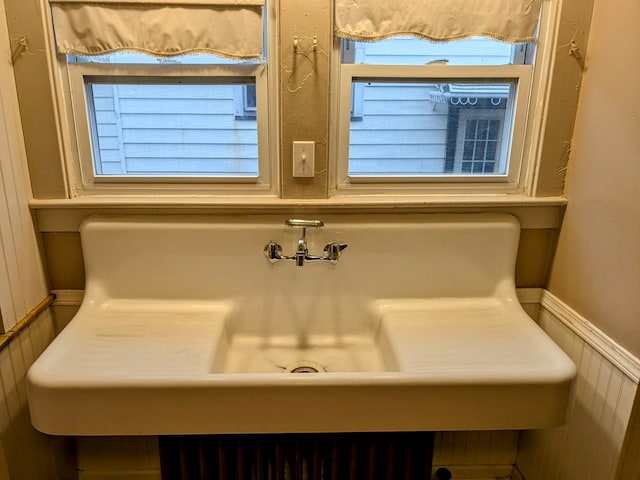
[298, 223]
[333, 250]
[273, 252]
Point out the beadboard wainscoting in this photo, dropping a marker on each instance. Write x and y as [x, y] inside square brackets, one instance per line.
[25, 452]
[588, 446]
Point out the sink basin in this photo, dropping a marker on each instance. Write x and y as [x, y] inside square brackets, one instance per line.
[289, 354]
[185, 328]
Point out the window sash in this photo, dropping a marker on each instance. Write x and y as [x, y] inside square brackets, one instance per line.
[83, 168]
[510, 181]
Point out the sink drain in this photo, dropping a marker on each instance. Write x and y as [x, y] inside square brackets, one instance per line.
[304, 367]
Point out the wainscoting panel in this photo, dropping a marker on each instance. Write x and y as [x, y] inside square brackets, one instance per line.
[26, 453]
[486, 455]
[118, 458]
[588, 446]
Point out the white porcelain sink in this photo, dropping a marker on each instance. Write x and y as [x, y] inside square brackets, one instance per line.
[185, 327]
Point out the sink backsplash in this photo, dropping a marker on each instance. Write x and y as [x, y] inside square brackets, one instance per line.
[221, 259]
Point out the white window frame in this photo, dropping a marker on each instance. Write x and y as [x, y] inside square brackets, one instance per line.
[521, 74]
[527, 118]
[78, 153]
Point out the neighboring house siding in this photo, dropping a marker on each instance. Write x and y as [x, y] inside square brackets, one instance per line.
[399, 131]
[173, 129]
[196, 129]
[399, 128]
[108, 130]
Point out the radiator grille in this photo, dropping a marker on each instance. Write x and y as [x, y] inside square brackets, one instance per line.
[343, 456]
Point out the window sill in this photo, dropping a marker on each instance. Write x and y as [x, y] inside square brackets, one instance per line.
[66, 214]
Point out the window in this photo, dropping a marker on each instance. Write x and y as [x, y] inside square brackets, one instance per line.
[415, 113]
[423, 109]
[168, 123]
[477, 143]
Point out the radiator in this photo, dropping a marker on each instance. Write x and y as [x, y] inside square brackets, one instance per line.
[324, 456]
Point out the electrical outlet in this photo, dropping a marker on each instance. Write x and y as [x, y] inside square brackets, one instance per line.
[303, 159]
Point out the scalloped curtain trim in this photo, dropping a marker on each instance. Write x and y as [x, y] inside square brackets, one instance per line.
[512, 21]
[231, 31]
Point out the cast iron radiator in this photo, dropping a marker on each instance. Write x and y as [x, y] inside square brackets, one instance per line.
[317, 456]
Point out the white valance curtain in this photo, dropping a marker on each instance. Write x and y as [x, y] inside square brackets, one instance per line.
[228, 28]
[511, 21]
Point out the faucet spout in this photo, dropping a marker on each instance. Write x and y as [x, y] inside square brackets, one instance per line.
[302, 251]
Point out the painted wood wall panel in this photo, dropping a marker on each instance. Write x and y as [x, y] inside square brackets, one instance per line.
[26, 453]
[22, 282]
[589, 444]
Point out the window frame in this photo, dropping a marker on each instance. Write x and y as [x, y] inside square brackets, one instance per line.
[244, 111]
[344, 184]
[540, 60]
[78, 152]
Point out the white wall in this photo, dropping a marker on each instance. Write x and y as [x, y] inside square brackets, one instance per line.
[589, 445]
[24, 452]
[22, 284]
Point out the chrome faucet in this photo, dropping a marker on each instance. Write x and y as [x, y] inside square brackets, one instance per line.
[331, 252]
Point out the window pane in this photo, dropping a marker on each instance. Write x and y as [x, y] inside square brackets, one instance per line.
[172, 129]
[416, 51]
[411, 128]
[126, 57]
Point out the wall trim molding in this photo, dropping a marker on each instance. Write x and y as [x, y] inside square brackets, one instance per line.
[529, 295]
[67, 297]
[474, 472]
[12, 334]
[67, 215]
[628, 363]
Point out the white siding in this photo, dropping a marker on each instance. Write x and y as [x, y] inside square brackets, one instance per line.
[397, 127]
[173, 129]
[393, 116]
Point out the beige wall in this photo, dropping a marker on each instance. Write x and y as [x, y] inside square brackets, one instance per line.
[596, 269]
[597, 264]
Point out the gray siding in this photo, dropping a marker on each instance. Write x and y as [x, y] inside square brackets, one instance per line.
[399, 131]
[195, 129]
[173, 130]
[398, 128]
